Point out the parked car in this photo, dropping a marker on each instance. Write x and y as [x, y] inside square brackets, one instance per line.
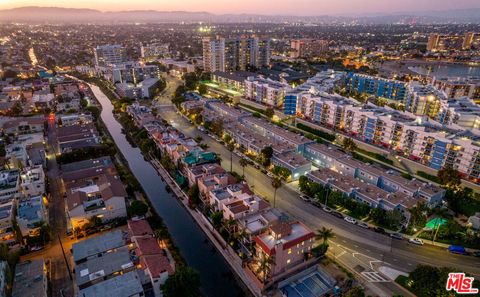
[327, 209]
[36, 248]
[476, 254]
[305, 198]
[416, 241]
[316, 203]
[269, 174]
[457, 249]
[380, 230]
[264, 171]
[350, 220]
[396, 236]
[363, 225]
[337, 214]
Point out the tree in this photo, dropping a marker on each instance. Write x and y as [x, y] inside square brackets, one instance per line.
[217, 127]
[276, 183]
[264, 266]
[16, 109]
[349, 145]
[269, 112]
[449, 177]
[230, 148]
[325, 234]
[243, 162]
[355, 292]
[137, 208]
[193, 195]
[185, 282]
[266, 155]
[191, 81]
[217, 218]
[202, 89]
[429, 281]
[282, 172]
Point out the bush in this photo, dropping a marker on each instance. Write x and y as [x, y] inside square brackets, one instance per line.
[428, 176]
[137, 208]
[319, 133]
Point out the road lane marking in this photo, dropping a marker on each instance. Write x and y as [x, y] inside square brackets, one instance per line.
[374, 277]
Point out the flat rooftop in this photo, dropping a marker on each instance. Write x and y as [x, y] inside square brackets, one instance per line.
[98, 267]
[98, 244]
[124, 285]
[29, 279]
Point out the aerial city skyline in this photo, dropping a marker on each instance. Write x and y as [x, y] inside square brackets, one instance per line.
[225, 149]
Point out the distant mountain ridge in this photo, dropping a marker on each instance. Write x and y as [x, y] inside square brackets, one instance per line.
[35, 14]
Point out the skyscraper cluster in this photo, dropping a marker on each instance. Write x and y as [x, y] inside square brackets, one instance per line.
[233, 54]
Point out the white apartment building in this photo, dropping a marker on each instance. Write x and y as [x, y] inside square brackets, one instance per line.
[109, 54]
[266, 91]
[32, 181]
[213, 54]
[154, 50]
[416, 137]
[424, 100]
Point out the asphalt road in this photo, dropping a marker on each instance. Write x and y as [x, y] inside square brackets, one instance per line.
[62, 285]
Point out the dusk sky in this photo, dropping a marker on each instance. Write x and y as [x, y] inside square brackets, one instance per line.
[290, 7]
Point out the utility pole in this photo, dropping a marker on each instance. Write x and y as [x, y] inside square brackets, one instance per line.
[65, 257]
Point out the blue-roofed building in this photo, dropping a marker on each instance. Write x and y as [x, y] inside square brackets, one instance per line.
[377, 86]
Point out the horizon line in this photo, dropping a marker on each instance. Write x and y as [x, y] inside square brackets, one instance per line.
[364, 14]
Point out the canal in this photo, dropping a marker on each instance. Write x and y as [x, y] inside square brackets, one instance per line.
[216, 278]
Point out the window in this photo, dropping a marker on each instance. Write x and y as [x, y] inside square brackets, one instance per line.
[289, 251]
[288, 261]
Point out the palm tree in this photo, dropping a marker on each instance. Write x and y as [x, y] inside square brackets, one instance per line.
[325, 234]
[243, 162]
[264, 264]
[439, 214]
[230, 148]
[276, 183]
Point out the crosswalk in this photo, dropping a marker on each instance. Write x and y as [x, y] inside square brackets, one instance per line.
[374, 277]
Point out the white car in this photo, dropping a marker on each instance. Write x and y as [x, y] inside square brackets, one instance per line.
[305, 198]
[363, 225]
[327, 209]
[269, 174]
[350, 220]
[415, 240]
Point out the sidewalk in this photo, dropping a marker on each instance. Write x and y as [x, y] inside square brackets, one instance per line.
[230, 256]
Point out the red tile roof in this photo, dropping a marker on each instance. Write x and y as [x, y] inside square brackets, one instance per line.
[139, 228]
[156, 264]
[147, 246]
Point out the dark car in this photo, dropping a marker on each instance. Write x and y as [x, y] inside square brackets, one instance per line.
[337, 214]
[396, 236]
[316, 203]
[380, 230]
[476, 254]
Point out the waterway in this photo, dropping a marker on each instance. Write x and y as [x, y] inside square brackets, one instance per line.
[216, 278]
[447, 70]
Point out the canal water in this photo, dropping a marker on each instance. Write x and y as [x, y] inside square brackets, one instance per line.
[451, 70]
[216, 278]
